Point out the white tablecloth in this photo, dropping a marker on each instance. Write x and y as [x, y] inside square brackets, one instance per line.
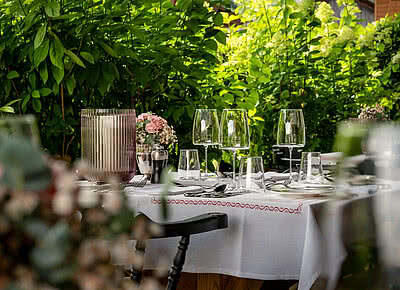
[269, 237]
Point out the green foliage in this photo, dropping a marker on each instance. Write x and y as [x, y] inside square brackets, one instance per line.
[58, 57]
[61, 56]
[298, 55]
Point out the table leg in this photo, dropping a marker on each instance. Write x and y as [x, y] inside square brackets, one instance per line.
[222, 282]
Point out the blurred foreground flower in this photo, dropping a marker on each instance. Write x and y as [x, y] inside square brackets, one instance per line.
[51, 235]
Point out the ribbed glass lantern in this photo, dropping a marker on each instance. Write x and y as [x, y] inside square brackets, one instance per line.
[108, 143]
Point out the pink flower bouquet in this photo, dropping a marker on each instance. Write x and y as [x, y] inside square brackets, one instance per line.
[152, 129]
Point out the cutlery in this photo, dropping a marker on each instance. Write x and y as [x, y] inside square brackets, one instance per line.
[216, 191]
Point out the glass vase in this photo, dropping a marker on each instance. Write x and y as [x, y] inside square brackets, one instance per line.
[143, 159]
[108, 139]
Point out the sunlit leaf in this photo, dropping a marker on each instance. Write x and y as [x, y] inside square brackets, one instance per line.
[36, 94]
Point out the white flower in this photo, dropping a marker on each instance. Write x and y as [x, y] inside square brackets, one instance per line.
[20, 204]
[112, 202]
[324, 12]
[63, 202]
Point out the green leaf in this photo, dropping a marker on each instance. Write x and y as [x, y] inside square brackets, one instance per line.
[7, 87]
[39, 36]
[221, 37]
[37, 105]
[36, 94]
[211, 44]
[52, 9]
[219, 19]
[108, 72]
[7, 109]
[108, 49]
[13, 102]
[41, 53]
[29, 19]
[87, 56]
[58, 74]
[57, 52]
[71, 83]
[25, 101]
[75, 58]
[45, 92]
[32, 79]
[115, 71]
[44, 74]
[12, 75]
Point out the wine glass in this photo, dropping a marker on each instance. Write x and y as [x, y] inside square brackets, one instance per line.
[205, 130]
[291, 132]
[234, 134]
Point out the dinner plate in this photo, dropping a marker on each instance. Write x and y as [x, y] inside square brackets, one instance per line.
[302, 192]
[307, 186]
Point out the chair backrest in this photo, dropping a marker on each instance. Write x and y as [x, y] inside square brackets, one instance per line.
[182, 228]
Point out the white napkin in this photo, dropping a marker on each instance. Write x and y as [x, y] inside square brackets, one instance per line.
[275, 176]
[158, 189]
[330, 158]
[192, 182]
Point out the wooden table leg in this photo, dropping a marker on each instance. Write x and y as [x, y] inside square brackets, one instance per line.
[225, 282]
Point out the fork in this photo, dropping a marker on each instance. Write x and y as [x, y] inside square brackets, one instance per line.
[285, 183]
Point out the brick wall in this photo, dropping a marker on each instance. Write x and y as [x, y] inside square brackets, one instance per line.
[383, 7]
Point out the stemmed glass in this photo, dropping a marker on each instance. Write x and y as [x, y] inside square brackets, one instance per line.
[291, 132]
[234, 134]
[205, 130]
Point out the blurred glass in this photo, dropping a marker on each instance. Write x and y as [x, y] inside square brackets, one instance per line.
[108, 139]
[251, 174]
[189, 164]
[20, 125]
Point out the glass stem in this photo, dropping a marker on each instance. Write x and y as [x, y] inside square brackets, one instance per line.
[205, 151]
[234, 169]
[290, 163]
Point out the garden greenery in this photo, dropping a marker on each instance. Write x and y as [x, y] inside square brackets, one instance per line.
[171, 57]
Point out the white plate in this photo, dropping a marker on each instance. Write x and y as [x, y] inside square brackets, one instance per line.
[314, 186]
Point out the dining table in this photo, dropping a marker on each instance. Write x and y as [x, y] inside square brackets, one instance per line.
[270, 235]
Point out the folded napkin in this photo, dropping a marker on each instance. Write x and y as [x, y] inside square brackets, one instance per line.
[158, 189]
[275, 176]
[192, 182]
[330, 158]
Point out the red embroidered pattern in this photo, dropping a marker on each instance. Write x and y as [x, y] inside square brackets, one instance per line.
[261, 207]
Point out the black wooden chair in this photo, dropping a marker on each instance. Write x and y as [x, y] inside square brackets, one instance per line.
[183, 228]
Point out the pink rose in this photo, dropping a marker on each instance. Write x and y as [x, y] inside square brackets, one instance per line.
[144, 116]
[158, 123]
[151, 128]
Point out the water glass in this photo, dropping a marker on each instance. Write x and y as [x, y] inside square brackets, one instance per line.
[311, 168]
[251, 174]
[189, 164]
